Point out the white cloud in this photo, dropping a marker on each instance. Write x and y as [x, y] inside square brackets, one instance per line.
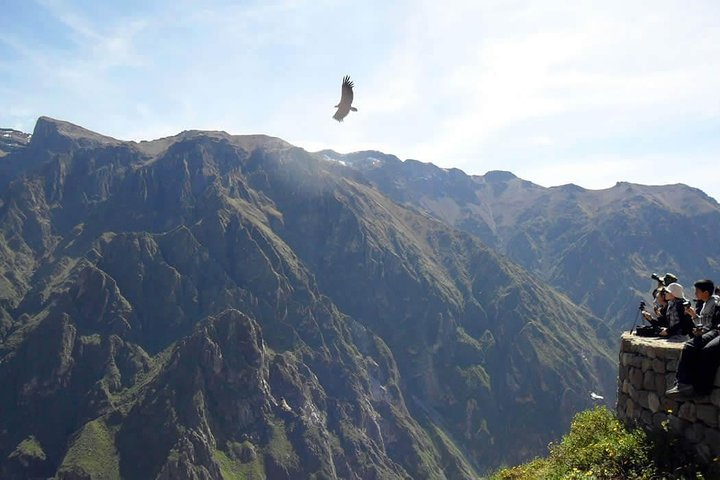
[100, 45]
[546, 73]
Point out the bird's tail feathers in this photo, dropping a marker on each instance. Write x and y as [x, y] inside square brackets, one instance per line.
[353, 109]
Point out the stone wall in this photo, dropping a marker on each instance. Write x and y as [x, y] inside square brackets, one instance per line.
[647, 369]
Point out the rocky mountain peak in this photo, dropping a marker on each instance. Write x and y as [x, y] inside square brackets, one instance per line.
[248, 143]
[498, 176]
[62, 136]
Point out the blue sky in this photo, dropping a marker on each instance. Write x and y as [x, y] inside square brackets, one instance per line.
[585, 92]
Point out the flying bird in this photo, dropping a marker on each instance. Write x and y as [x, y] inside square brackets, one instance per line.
[345, 105]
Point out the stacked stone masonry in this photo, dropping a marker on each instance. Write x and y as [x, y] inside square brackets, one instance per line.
[647, 369]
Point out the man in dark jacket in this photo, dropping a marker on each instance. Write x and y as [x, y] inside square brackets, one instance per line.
[700, 355]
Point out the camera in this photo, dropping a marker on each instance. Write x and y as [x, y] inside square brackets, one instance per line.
[665, 280]
[642, 305]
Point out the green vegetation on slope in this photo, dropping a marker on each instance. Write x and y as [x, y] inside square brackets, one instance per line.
[29, 448]
[280, 447]
[599, 447]
[233, 467]
[93, 452]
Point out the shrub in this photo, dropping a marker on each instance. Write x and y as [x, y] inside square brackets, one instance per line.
[598, 446]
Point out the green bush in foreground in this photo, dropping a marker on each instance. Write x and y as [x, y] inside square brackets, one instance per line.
[598, 446]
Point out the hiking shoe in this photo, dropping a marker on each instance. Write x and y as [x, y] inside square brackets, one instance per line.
[680, 389]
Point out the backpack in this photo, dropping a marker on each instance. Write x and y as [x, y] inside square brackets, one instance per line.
[647, 331]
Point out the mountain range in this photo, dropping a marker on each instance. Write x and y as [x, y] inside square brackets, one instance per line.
[599, 247]
[221, 306]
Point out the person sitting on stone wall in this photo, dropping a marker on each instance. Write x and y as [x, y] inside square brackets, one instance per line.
[677, 316]
[659, 308]
[701, 354]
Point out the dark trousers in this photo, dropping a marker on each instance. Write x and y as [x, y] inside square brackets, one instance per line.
[699, 360]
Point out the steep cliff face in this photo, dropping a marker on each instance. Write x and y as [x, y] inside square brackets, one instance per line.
[597, 246]
[210, 306]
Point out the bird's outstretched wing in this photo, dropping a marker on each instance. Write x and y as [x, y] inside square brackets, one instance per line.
[346, 99]
[347, 91]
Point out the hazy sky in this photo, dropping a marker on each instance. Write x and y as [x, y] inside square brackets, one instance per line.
[585, 92]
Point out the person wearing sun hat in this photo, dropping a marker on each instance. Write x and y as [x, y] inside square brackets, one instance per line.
[677, 316]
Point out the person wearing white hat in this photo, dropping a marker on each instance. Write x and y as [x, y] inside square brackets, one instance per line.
[677, 314]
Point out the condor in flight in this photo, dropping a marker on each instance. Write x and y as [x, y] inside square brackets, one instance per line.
[345, 105]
